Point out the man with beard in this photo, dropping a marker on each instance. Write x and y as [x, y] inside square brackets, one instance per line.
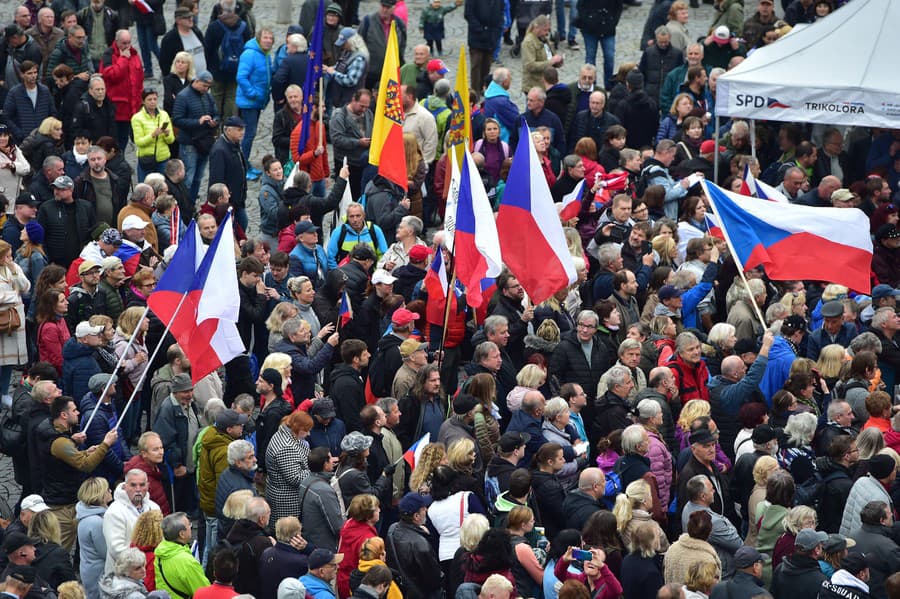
[63, 466]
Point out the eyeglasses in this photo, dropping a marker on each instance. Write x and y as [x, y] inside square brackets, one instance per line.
[584, 325]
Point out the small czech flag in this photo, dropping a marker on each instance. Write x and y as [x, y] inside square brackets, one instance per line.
[346, 310]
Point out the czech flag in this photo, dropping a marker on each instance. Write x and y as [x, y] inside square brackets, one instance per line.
[345, 313]
[796, 242]
[143, 7]
[198, 294]
[712, 227]
[571, 203]
[488, 289]
[610, 182]
[386, 150]
[415, 450]
[476, 246]
[531, 236]
[436, 285]
[753, 187]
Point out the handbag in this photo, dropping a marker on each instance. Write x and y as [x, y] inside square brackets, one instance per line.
[10, 322]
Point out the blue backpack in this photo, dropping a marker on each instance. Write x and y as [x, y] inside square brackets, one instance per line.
[231, 47]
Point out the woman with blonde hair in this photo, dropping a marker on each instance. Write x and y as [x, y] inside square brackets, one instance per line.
[470, 533]
[30, 256]
[691, 411]
[632, 508]
[147, 534]
[530, 378]
[762, 470]
[543, 341]
[301, 289]
[13, 285]
[642, 569]
[487, 428]
[371, 554]
[134, 357]
[795, 301]
[667, 250]
[70, 590]
[93, 497]
[283, 311]
[416, 171]
[433, 455]
[234, 509]
[461, 458]
[179, 77]
[47, 141]
[282, 363]
[527, 570]
[831, 359]
[670, 126]
[798, 518]
[54, 565]
[701, 578]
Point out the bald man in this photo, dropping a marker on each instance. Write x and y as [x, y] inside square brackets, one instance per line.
[585, 500]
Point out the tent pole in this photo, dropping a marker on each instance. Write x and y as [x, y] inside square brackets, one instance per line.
[716, 152]
[753, 138]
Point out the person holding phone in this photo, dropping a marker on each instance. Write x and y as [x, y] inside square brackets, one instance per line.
[596, 575]
[153, 134]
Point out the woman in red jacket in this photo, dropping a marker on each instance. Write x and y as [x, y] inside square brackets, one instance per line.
[52, 332]
[597, 576]
[362, 514]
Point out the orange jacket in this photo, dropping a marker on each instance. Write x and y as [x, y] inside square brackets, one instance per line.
[316, 166]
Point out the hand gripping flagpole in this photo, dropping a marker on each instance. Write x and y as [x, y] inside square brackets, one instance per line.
[149, 360]
[734, 255]
[118, 365]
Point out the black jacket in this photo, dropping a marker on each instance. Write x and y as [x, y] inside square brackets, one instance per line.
[600, 17]
[92, 121]
[86, 18]
[84, 188]
[655, 65]
[578, 507]
[409, 551]
[569, 364]
[252, 312]
[385, 362]
[512, 310]
[292, 69]
[877, 543]
[267, 423]
[587, 125]
[53, 564]
[67, 227]
[485, 19]
[252, 540]
[349, 393]
[283, 124]
[182, 196]
[612, 413]
[278, 562]
[639, 114]
[832, 590]
[170, 45]
[741, 586]
[501, 470]
[798, 576]
[835, 491]
[383, 205]
[227, 165]
[550, 495]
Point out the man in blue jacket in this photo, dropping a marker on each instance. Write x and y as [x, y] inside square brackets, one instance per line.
[783, 353]
[323, 566]
[498, 105]
[834, 330]
[27, 104]
[105, 421]
[308, 257]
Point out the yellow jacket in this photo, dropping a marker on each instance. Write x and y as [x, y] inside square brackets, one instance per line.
[143, 125]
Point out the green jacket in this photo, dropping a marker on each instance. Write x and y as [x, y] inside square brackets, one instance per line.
[213, 462]
[441, 113]
[177, 571]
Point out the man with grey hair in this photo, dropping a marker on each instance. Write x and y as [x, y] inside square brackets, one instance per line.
[742, 315]
[391, 443]
[885, 324]
[238, 476]
[629, 353]
[141, 206]
[174, 558]
[726, 540]
[609, 256]
[583, 501]
[130, 499]
[580, 357]
[497, 331]
[613, 411]
[497, 103]
[659, 59]
[100, 186]
[51, 168]
[536, 116]
[691, 374]
[291, 69]
[94, 116]
[249, 535]
[793, 183]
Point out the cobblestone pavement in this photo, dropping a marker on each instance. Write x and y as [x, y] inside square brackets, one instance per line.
[628, 34]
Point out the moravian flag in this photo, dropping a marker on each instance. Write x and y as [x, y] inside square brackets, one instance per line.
[386, 150]
[459, 128]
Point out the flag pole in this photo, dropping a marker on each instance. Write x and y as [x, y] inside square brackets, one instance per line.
[734, 255]
[118, 364]
[150, 359]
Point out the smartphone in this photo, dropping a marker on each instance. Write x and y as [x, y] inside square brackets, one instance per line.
[582, 555]
[646, 247]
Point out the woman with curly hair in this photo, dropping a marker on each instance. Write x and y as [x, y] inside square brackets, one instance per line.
[147, 534]
[433, 455]
[483, 387]
[762, 470]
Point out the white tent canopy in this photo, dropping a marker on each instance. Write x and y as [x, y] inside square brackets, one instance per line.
[839, 70]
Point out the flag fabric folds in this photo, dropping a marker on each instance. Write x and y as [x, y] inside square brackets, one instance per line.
[204, 283]
[345, 312]
[415, 450]
[386, 150]
[796, 242]
[459, 125]
[436, 285]
[313, 76]
[531, 235]
[753, 187]
[476, 246]
[143, 7]
[571, 203]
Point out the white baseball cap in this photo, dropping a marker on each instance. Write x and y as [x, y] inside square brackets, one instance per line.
[383, 276]
[34, 503]
[133, 221]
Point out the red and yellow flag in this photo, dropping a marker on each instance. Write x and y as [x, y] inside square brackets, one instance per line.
[386, 151]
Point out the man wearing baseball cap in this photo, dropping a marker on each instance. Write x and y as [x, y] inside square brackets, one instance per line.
[408, 275]
[388, 360]
[228, 164]
[67, 222]
[140, 206]
[415, 355]
[799, 575]
[79, 361]
[24, 212]
[323, 566]
[84, 301]
[409, 547]
[747, 580]
[852, 580]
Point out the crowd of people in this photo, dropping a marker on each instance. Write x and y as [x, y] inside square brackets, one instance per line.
[670, 426]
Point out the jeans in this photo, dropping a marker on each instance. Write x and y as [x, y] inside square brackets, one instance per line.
[251, 120]
[608, 46]
[149, 44]
[211, 537]
[561, 20]
[5, 376]
[160, 168]
[123, 134]
[240, 217]
[194, 168]
[318, 188]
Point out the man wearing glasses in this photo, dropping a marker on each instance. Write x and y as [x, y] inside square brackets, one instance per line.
[323, 565]
[581, 359]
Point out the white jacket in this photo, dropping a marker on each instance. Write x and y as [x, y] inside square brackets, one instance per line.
[864, 490]
[118, 523]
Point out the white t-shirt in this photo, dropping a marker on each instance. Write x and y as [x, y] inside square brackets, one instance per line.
[194, 47]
